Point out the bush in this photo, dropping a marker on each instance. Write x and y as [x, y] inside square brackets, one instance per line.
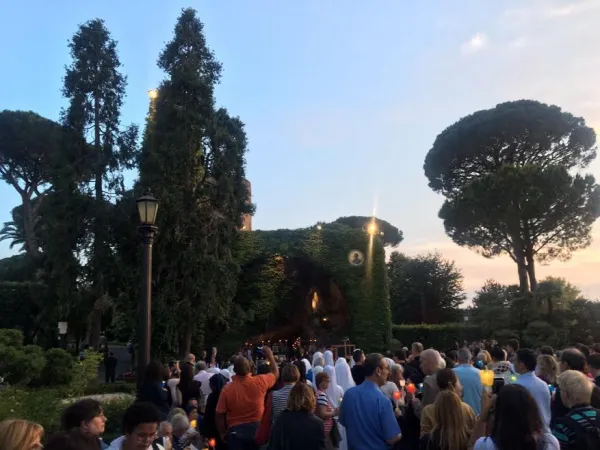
[59, 368]
[85, 373]
[11, 338]
[439, 336]
[21, 365]
[113, 388]
[45, 406]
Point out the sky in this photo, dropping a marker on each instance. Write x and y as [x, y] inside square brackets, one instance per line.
[342, 99]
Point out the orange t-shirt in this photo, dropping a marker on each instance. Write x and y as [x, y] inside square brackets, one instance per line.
[243, 400]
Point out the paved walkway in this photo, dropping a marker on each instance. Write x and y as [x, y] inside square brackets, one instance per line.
[123, 364]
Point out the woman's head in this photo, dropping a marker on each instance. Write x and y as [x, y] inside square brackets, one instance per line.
[322, 381]
[547, 368]
[301, 398]
[20, 435]
[87, 415]
[447, 380]
[154, 373]
[575, 388]
[451, 429]
[516, 418]
[217, 382]
[301, 370]
[485, 357]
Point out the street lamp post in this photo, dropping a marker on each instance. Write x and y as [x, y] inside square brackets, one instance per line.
[147, 209]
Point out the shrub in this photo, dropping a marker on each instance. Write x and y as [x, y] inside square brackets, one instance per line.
[21, 365]
[85, 373]
[11, 338]
[440, 336]
[114, 410]
[58, 369]
[113, 388]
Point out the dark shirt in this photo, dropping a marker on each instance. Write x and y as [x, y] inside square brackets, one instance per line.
[110, 363]
[358, 374]
[155, 394]
[597, 380]
[559, 410]
[297, 430]
[417, 376]
[567, 432]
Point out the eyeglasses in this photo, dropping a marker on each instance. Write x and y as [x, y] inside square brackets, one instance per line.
[146, 436]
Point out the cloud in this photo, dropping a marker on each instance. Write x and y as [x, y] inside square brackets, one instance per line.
[477, 43]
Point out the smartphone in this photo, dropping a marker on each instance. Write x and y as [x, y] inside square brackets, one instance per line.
[498, 384]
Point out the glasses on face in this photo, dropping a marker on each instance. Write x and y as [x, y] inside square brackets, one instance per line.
[145, 437]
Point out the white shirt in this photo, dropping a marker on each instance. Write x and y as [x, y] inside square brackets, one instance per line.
[203, 376]
[486, 443]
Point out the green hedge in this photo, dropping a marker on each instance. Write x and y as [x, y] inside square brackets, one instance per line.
[441, 337]
[45, 406]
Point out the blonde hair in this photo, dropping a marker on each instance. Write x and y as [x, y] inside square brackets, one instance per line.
[548, 367]
[576, 387]
[301, 398]
[19, 434]
[485, 357]
[451, 430]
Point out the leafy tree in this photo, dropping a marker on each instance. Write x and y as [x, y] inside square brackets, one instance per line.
[425, 289]
[389, 234]
[506, 175]
[95, 88]
[555, 294]
[28, 144]
[491, 306]
[193, 161]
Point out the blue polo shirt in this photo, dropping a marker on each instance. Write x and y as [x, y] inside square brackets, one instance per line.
[368, 417]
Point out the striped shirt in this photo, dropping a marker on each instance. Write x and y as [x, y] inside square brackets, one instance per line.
[279, 401]
[322, 401]
[586, 416]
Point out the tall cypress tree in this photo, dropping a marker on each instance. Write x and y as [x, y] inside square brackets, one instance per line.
[193, 161]
[95, 88]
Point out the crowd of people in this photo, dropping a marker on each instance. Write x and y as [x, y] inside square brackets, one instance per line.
[417, 399]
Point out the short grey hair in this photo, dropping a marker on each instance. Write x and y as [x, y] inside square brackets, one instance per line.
[180, 422]
[397, 368]
[464, 355]
[200, 365]
[163, 426]
[434, 355]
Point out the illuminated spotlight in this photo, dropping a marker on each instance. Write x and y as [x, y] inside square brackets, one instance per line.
[372, 228]
[319, 227]
[153, 94]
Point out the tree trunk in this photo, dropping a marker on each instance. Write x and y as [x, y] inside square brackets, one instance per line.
[185, 343]
[531, 269]
[31, 243]
[523, 279]
[96, 315]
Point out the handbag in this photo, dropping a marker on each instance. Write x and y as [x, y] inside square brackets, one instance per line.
[335, 435]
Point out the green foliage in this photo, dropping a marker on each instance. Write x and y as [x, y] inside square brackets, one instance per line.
[193, 159]
[85, 373]
[507, 177]
[540, 333]
[58, 369]
[424, 289]
[19, 365]
[439, 336]
[326, 250]
[389, 234]
[98, 388]
[114, 411]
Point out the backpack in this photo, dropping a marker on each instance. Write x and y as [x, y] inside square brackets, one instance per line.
[586, 438]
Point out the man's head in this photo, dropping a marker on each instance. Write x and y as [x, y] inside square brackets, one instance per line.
[400, 355]
[595, 349]
[180, 424]
[358, 356]
[452, 355]
[464, 356]
[430, 361]
[140, 425]
[86, 415]
[526, 361]
[594, 364]
[575, 388]
[165, 430]
[200, 366]
[290, 374]
[241, 366]
[416, 349]
[376, 369]
[191, 358]
[572, 359]
[547, 350]
[396, 373]
[498, 354]
[512, 346]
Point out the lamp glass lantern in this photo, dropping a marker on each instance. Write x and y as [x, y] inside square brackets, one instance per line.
[147, 209]
[62, 328]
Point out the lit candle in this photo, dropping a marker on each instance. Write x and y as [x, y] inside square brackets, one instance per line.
[397, 395]
[513, 378]
[410, 388]
[487, 378]
[212, 443]
[420, 387]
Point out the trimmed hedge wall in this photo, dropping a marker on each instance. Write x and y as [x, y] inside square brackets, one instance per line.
[364, 288]
[441, 337]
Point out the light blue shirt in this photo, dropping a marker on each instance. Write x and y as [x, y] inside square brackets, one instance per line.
[470, 378]
[368, 417]
[540, 392]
